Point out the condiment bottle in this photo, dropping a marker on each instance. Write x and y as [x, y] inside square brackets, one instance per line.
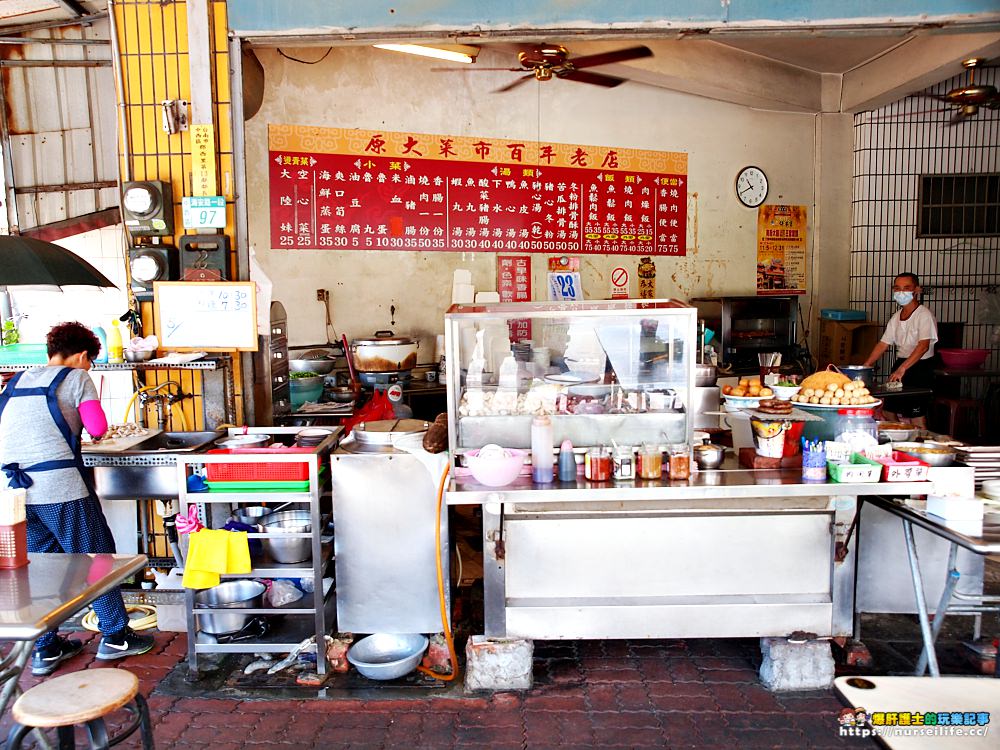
[541, 450]
[102, 356]
[597, 465]
[567, 462]
[624, 463]
[650, 462]
[680, 461]
[116, 352]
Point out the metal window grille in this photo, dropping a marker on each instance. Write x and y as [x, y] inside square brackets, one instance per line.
[896, 149]
[958, 205]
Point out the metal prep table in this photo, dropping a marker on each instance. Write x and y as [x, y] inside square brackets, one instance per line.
[729, 553]
[978, 539]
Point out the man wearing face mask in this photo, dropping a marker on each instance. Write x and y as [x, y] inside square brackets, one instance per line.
[913, 331]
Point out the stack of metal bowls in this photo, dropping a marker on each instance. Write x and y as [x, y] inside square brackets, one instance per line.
[311, 436]
[292, 549]
[242, 594]
[251, 515]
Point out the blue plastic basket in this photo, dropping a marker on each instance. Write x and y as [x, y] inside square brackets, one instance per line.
[831, 313]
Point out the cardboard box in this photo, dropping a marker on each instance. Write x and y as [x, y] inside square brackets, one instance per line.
[846, 342]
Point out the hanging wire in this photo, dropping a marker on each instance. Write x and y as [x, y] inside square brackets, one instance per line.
[306, 62]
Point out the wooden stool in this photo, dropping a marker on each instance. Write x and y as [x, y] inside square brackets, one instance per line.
[956, 408]
[83, 697]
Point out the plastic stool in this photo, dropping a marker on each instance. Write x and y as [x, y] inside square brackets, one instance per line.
[970, 408]
[83, 697]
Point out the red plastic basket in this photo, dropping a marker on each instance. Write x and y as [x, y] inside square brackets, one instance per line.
[14, 545]
[258, 472]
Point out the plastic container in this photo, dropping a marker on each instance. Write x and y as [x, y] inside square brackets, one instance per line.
[857, 469]
[857, 428]
[498, 467]
[14, 545]
[900, 467]
[541, 450]
[833, 313]
[116, 352]
[650, 463]
[964, 359]
[258, 472]
[624, 463]
[102, 356]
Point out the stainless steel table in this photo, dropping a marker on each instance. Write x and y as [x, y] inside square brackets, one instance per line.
[42, 595]
[982, 541]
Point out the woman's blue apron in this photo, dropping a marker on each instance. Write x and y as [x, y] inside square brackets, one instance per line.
[20, 476]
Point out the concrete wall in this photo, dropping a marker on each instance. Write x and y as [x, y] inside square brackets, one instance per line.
[375, 89]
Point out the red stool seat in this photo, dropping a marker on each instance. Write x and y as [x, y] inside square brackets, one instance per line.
[959, 412]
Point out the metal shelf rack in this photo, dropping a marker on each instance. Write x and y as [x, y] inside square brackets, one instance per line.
[296, 628]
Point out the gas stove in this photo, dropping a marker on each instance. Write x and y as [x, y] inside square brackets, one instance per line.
[375, 381]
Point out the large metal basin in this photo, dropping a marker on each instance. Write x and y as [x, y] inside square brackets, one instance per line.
[175, 442]
[147, 470]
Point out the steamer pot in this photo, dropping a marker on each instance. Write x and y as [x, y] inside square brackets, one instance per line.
[384, 352]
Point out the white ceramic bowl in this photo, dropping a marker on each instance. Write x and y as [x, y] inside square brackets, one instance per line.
[785, 392]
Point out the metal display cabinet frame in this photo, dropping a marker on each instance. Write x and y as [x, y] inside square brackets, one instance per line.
[624, 323]
[295, 628]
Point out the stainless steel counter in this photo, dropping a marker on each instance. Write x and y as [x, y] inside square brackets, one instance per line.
[728, 553]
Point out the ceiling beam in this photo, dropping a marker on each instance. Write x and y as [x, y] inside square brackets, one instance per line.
[923, 61]
[706, 68]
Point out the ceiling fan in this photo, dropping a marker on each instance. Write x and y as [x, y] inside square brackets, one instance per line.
[966, 100]
[547, 61]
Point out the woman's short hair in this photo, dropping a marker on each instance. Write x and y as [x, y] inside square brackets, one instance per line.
[67, 339]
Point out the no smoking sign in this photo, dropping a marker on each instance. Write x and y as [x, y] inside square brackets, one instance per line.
[619, 283]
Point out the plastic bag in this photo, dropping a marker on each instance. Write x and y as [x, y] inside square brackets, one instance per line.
[378, 407]
[282, 592]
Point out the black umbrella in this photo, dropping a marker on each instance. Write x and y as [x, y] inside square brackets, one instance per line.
[25, 261]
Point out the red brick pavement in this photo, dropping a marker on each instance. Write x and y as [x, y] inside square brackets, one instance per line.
[594, 694]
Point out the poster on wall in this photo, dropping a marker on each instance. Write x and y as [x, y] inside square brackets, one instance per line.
[514, 285]
[344, 189]
[781, 249]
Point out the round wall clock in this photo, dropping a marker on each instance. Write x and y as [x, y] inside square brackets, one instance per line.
[751, 186]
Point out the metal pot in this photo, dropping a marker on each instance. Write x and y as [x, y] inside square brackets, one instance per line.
[242, 594]
[704, 375]
[385, 352]
[858, 372]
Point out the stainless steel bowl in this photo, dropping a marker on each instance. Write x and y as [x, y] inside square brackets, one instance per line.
[709, 456]
[242, 594]
[319, 366]
[294, 549]
[250, 440]
[933, 455]
[139, 356]
[705, 375]
[251, 514]
[386, 656]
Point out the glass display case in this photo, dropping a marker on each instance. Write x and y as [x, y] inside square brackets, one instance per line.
[608, 372]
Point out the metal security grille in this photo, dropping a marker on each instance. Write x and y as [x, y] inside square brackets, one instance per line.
[958, 205]
[895, 148]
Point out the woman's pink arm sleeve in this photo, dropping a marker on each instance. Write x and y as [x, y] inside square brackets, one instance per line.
[93, 418]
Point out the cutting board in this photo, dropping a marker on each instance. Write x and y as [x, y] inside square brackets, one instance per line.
[119, 444]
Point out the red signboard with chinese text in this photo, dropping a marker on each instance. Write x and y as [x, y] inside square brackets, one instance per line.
[379, 190]
[514, 285]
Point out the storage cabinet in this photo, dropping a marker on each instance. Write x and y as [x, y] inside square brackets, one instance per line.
[311, 615]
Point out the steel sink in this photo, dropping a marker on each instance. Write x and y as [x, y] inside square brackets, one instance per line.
[148, 469]
[176, 442]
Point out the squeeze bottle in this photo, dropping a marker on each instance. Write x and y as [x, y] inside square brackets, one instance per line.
[115, 353]
[567, 462]
[541, 450]
[102, 356]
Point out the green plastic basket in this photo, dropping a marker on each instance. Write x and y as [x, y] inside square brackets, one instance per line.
[259, 486]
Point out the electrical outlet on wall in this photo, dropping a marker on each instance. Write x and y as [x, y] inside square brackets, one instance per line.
[322, 295]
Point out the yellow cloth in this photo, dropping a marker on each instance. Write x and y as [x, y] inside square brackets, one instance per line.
[212, 552]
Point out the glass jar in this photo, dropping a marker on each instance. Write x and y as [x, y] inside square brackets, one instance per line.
[650, 462]
[624, 463]
[597, 465]
[857, 428]
[680, 461]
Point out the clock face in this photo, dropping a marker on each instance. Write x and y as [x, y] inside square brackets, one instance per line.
[751, 186]
[139, 200]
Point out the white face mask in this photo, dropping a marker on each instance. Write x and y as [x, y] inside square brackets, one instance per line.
[903, 298]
